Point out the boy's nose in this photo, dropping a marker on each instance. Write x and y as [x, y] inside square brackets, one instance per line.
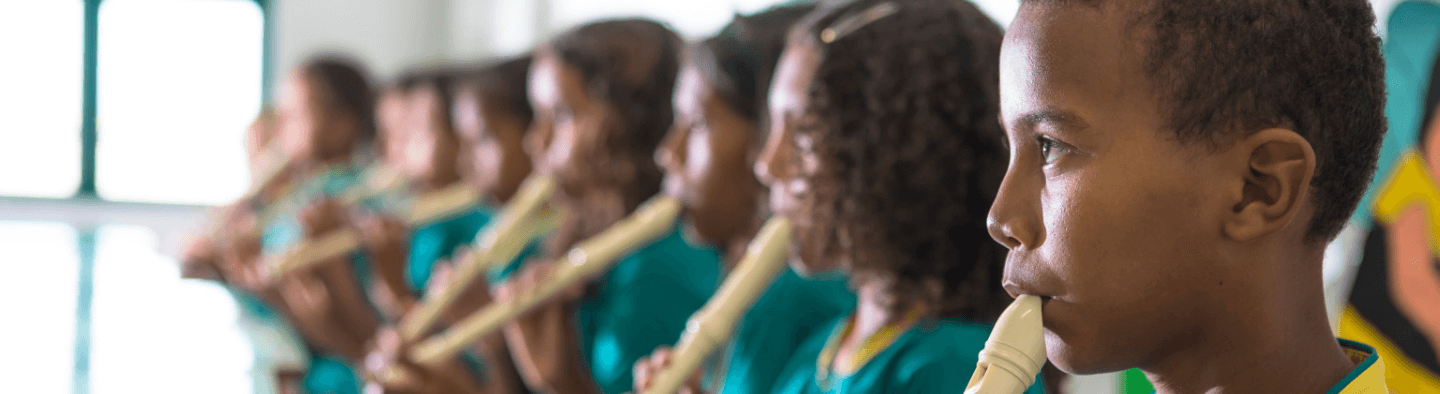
[1014, 216]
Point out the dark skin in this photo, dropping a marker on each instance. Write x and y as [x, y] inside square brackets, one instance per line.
[426, 150]
[312, 131]
[544, 342]
[494, 161]
[492, 144]
[1187, 262]
[789, 157]
[784, 165]
[707, 158]
[391, 111]
[431, 146]
[327, 303]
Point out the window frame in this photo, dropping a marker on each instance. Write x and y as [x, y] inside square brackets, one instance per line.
[86, 210]
[89, 135]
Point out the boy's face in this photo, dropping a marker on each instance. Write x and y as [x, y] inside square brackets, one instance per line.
[1103, 211]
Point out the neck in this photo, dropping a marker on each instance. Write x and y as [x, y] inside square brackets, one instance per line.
[1274, 338]
[871, 313]
[735, 247]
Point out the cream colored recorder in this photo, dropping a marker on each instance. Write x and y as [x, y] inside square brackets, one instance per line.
[711, 326]
[1015, 351]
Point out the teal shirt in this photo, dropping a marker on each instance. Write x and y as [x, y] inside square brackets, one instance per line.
[930, 357]
[642, 303]
[439, 240]
[792, 309]
[327, 374]
[435, 241]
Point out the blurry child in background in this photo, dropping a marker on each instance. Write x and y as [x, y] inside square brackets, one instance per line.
[708, 157]
[487, 114]
[885, 152]
[602, 99]
[325, 111]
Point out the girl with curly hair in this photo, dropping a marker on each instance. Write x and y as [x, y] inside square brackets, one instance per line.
[886, 152]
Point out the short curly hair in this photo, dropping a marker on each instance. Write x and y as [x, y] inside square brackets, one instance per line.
[904, 110]
[1222, 67]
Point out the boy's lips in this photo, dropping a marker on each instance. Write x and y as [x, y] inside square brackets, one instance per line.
[1016, 289]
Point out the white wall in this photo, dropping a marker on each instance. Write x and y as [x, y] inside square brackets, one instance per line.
[390, 36]
[387, 35]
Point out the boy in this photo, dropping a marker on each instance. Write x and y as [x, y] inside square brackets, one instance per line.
[1176, 170]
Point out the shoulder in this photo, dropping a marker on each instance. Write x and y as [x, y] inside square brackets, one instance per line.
[809, 304]
[938, 353]
[672, 246]
[799, 370]
[672, 258]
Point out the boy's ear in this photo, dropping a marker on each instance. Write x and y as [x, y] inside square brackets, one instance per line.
[1275, 166]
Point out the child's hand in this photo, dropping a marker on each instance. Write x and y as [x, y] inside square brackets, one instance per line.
[387, 239]
[321, 217]
[529, 279]
[241, 264]
[543, 341]
[475, 296]
[647, 369]
[199, 259]
[388, 369]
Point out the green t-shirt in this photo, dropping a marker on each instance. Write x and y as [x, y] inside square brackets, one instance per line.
[327, 374]
[434, 241]
[643, 303]
[932, 356]
[792, 309]
[330, 375]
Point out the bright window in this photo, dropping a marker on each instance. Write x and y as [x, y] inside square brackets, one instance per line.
[179, 81]
[153, 332]
[40, 110]
[38, 290]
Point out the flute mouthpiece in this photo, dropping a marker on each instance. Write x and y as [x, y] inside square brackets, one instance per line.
[1015, 351]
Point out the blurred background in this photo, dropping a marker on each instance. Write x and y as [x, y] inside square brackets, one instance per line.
[121, 124]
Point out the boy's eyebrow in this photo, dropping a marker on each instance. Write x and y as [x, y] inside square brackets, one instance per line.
[1065, 119]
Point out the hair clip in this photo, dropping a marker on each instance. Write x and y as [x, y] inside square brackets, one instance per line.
[852, 23]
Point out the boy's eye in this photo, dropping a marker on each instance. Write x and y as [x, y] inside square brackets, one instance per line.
[1050, 150]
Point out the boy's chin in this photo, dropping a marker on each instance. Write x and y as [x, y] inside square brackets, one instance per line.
[1083, 358]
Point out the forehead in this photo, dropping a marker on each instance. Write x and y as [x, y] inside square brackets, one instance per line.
[692, 89]
[553, 81]
[543, 75]
[1077, 59]
[792, 76]
[296, 88]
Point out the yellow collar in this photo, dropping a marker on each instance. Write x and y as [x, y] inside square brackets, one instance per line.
[1368, 377]
[872, 346]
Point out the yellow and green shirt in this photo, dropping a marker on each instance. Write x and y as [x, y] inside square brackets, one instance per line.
[1368, 377]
